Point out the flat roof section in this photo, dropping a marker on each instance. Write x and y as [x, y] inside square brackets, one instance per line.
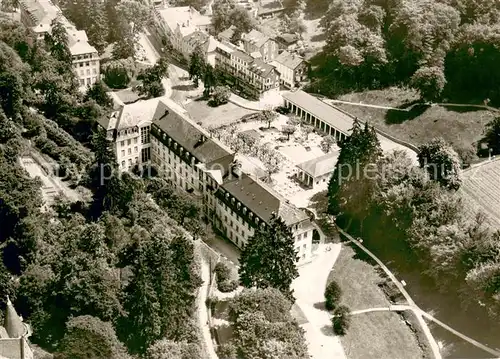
[321, 110]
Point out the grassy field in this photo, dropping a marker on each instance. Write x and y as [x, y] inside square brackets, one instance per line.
[215, 116]
[375, 335]
[380, 335]
[462, 127]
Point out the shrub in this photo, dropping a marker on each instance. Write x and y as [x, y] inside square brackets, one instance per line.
[226, 351]
[341, 320]
[116, 77]
[332, 295]
[227, 286]
[223, 272]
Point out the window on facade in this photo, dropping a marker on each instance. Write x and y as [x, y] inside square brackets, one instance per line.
[145, 154]
[135, 140]
[130, 162]
[137, 160]
[88, 72]
[135, 149]
[145, 136]
[122, 143]
[129, 142]
[123, 164]
[123, 153]
[129, 151]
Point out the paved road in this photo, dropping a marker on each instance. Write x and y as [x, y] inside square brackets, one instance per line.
[309, 291]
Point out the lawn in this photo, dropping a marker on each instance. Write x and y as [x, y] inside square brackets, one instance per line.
[380, 335]
[375, 335]
[208, 116]
[359, 281]
[462, 127]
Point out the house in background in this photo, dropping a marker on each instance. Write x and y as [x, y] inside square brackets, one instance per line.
[175, 23]
[207, 43]
[293, 69]
[38, 15]
[256, 42]
[318, 170]
[287, 42]
[252, 76]
[86, 61]
[14, 336]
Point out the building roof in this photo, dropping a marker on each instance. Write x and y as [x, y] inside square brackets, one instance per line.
[78, 43]
[269, 7]
[292, 61]
[242, 55]
[262, 68]
[184, 16]
[256, 37]
[131, 115]
[189, 135]
[321, 110]
[480, 188]
[12, 322]
[288, 39]
[210, 45]
[262, 199]
[228, 33]
[196, 38]
[42, 11]
[320, 166]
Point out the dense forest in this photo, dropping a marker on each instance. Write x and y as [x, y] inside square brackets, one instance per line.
[416, 214]
[447, 49]
[104, 277]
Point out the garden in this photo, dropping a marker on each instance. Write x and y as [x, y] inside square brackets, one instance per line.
[276, 143]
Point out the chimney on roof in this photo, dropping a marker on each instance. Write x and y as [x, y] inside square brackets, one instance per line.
[236, 169]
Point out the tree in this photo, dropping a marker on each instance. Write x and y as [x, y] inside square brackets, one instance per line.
[268, 116]
[135, 14]
[220, 96]
[98, 28]
[197, 65]
[226, 14]
[288, 130]
[209, 80]
[349, 190]
[341, 320]
[89, 337]
[269, 259]
[98, 93]
[430, 81]
[168, 349]
[152, 79]
[493, 136]
[307, 129]
[57, 42]
[441, 162]
[333, 292]
[116, 77]
[327, 143]
[264, 327]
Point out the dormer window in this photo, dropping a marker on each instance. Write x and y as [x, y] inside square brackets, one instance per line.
[256, 220]
[250, 214]
[232, 200]
[238, 205]
[175, 145]
[169, 141]
[244, 210]
[227, 195]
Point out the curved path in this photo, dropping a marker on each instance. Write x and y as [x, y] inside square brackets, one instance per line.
[392, 308]
[411, 303]
[419, 313]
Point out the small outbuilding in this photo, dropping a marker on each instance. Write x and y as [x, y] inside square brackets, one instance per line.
[318, 170]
